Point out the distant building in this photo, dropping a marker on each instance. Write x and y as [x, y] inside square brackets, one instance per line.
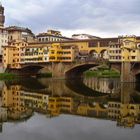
[3, 38]
[84, 36]
[2, 17]
[51, 36]
[20, 33]
[3, 31]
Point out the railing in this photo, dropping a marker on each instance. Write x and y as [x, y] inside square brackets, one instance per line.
[92, 60]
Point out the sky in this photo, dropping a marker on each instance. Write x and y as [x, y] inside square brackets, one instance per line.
[104, 18]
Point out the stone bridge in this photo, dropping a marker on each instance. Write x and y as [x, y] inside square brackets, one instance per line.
[130, 72]
[59, 69]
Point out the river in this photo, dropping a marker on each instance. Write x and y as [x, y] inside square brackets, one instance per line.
[78, 109]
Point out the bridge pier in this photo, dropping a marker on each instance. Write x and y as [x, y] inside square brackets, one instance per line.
[126, 72]
[58, 70]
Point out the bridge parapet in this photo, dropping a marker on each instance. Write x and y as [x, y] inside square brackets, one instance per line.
[92, 60]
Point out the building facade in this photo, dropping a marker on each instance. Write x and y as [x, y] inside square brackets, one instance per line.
[124, 49]
[20, 33]
[112, 49]
[13, 54]
[51, 36]
[3, 39]
[18, 53]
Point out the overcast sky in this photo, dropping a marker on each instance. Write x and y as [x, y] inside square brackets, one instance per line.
[103, 18]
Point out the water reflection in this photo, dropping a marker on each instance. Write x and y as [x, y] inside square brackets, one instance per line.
[97, 98]
[103, 85]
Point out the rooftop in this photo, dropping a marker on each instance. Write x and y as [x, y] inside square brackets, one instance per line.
[17, 28]
[88, 35]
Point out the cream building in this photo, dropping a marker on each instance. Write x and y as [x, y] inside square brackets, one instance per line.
[51, 36]
[125, 49]
[20, 33]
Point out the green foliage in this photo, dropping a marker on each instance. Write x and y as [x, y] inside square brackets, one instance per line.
[8, 76]
[102, 73]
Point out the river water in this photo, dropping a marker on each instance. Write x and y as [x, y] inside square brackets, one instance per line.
[82, 109]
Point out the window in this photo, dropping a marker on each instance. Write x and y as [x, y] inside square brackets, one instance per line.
[39, 39]
[133, 57]
[133, 51]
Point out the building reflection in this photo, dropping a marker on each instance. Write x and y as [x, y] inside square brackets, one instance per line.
[13, 102]
[18, 104]
[127, 111]
[103, 85]
[58, 105]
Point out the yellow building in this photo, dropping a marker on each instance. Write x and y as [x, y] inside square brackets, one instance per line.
[18, 53]
[85, 47]
[62, 53]
[114, 49]
[13, 54]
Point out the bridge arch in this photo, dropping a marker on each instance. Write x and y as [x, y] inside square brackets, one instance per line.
[103, 54]
[31, 69]
[93, 53]
[137, 76]
[78, 70]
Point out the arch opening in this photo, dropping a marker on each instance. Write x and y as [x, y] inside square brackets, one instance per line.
[104, 54]
[77, 72]
[137, 77]
[31, 70]
[93, 54]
